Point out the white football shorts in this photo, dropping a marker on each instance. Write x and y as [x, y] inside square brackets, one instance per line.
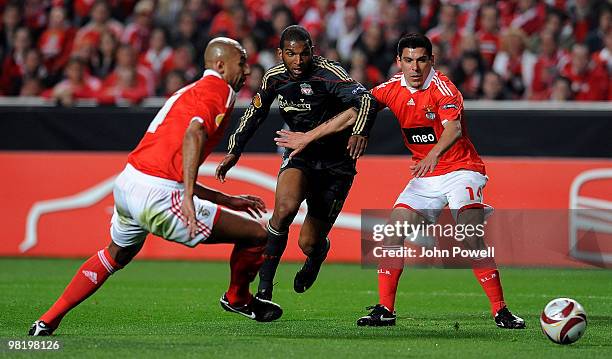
[147, 204]
[459, 190]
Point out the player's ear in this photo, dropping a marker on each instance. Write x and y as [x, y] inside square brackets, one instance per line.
[433, 60]
[279, 53]
[219, 66]
[398, 61]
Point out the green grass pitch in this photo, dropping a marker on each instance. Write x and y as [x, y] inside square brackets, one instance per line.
[160, 309]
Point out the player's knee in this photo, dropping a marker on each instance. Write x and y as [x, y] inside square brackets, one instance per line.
[284, 213]
[308, 245]
[123, 255]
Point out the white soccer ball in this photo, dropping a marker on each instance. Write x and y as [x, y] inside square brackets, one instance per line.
[563, 320]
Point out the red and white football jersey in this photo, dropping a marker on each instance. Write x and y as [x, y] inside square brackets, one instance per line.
[209, 101]
[422, 114]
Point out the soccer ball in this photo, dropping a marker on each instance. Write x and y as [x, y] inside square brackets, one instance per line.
[563, 320]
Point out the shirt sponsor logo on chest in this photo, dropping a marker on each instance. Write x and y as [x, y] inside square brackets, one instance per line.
[420, 135]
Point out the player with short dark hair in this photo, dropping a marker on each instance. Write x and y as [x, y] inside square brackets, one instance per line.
[157, 193]
[310, 90]
[448, 170]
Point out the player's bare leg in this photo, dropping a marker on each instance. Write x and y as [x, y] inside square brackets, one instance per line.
[389, 273]
[249, 238]
[290, 193]
[88, 278]
[486, 272]
[315, 245]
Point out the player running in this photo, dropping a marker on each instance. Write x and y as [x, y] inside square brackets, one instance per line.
[310, 90]
[157, 193]
[448, 170]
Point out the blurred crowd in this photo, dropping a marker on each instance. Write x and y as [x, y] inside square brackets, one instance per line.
[122, 51]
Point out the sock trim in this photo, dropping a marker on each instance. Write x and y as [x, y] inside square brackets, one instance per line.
[274, 231]
[105, 262]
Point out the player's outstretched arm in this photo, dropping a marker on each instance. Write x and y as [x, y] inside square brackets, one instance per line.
[252, 205]
[193, 142]
[225, 165]
[451, 133]
[297, 141]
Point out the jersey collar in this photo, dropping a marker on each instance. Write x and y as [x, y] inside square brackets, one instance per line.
[211, 72]
[426, 84]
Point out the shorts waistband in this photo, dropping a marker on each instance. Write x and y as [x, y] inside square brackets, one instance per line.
[133, 172]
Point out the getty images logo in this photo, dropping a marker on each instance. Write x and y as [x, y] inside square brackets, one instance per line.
[420, 135]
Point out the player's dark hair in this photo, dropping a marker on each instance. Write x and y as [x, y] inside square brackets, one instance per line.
[295, 33]
[412, 41]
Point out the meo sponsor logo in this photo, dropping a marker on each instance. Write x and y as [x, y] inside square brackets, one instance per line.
[420, 135]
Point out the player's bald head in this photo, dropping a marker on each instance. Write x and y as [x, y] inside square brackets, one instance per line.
[221, 49]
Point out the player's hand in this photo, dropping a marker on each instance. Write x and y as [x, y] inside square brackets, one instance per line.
[356, 146]
[188, 211]
[424, 166]
[296, 141]
[252, 205]
[228, 162]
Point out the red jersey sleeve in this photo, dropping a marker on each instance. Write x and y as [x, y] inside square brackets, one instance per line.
[382, 91]
[210, 107]
[449, 101]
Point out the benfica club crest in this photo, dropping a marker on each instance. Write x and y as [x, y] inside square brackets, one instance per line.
[429, 113]
[306, 89]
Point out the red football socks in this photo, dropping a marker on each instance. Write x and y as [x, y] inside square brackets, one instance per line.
[90, 276]
[491, 284]
[389, 272]
[244, 265]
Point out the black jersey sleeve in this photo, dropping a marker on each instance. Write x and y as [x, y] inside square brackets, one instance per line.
[353, 94]
[255, 114]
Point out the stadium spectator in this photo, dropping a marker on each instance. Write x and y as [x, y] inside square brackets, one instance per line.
[582, 15]
[468, 74]
[187, 31]
[529, 17]
[138, 31]
[100, 21]
[372, 44]
[33, 68]
[126, 63]
[493, 88]
[515, 63]
[167, 11]
[546, 69]
[31, 87]
[55, 43]
[348, 33]
[35, 15]
[127, 89]
[603, 57]
[557, 23]
[595, 38]
[183, 61]
[446, 34]
[232, 21]
[488, 34]
[589, 81]
[11, 20]
[561, 90]
[77, 85]
[421, 15]
[13, 65]
[174, 81]
[159, 57]
[102, 62]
